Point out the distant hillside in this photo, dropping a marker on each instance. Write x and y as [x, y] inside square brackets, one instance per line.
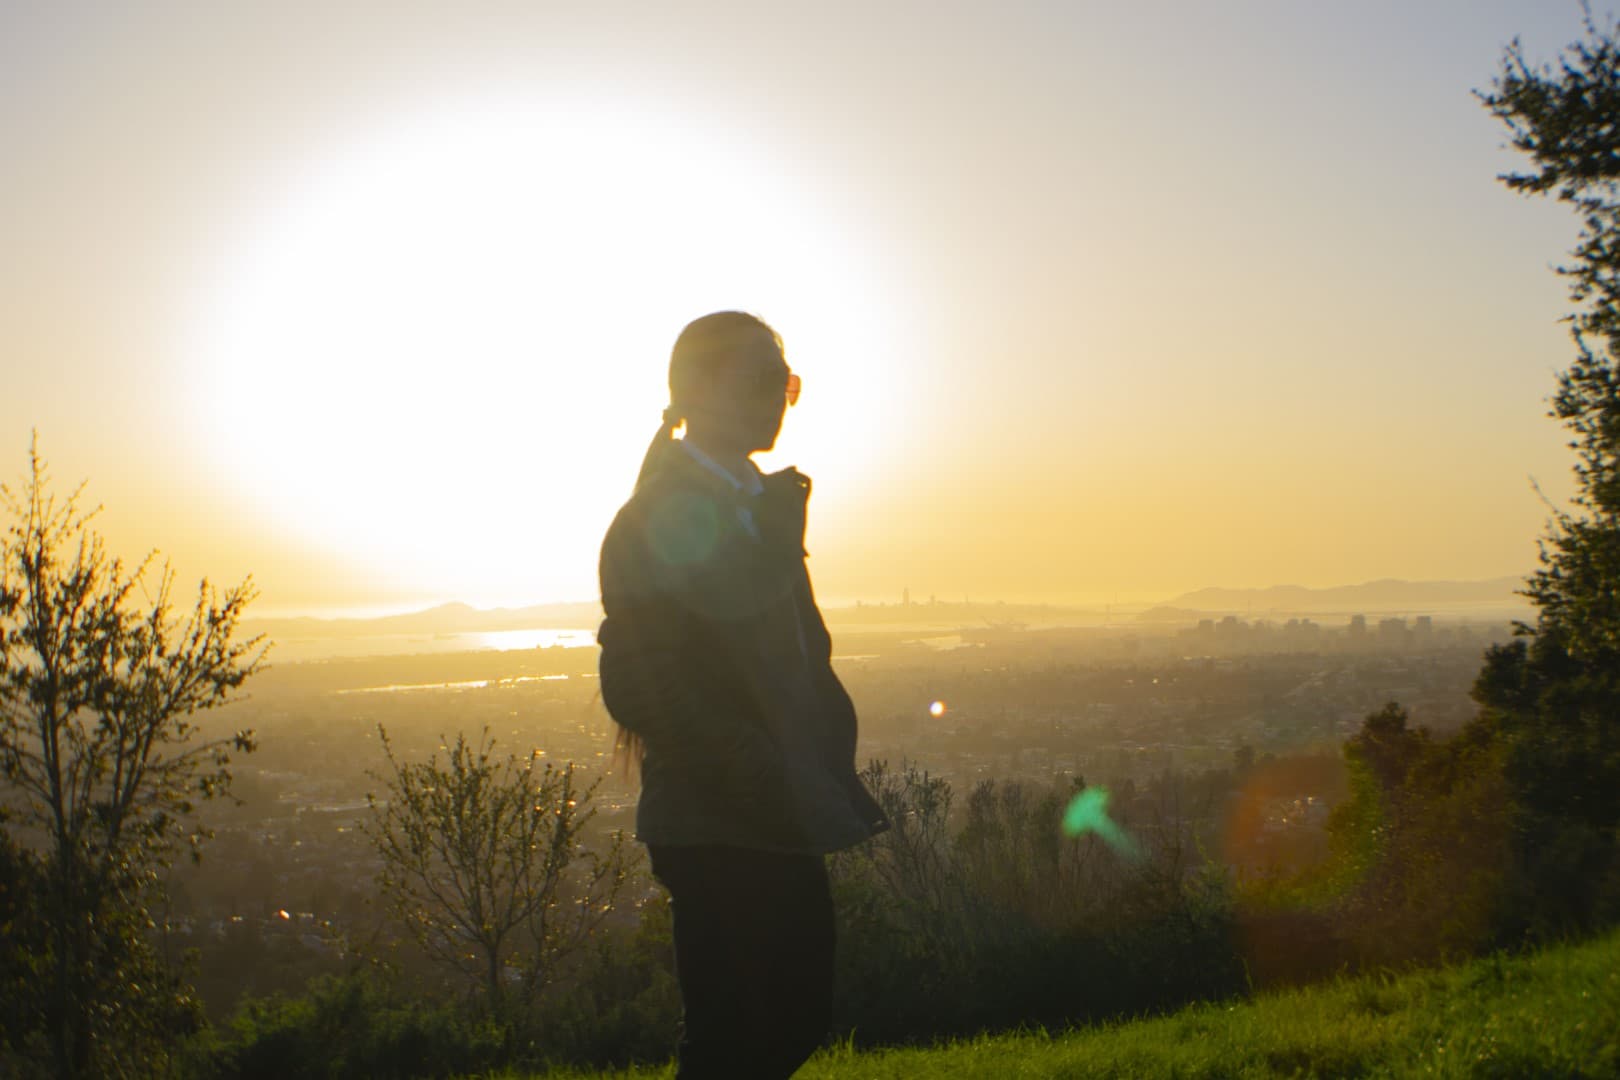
[1166, 614]
[1388, 594]
[444, 619]
[450, 619]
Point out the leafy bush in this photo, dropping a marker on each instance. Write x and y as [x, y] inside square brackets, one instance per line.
[349, 1026]
[1004, 922]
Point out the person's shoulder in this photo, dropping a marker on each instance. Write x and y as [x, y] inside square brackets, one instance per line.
[665, 485]
[672, 522]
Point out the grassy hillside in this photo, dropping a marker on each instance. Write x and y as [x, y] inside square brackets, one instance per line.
[1551, 1014]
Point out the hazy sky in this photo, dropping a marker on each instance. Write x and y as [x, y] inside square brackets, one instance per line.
[1091, 300]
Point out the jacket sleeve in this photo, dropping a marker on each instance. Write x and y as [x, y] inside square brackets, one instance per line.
[649, 687]
[841, 725]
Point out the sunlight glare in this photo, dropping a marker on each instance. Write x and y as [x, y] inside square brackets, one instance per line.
[443, 347]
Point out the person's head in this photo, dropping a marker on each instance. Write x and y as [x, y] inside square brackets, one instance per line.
[729, 382]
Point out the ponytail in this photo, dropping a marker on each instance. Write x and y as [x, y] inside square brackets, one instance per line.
[660, 443]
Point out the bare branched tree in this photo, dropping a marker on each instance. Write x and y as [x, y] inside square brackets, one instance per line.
[103, 766]
[484, 862]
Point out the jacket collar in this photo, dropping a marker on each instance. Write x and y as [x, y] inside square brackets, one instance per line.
[748, 483]
[779, 508]
[682, 465]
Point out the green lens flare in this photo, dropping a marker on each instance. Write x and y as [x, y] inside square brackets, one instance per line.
[1088, 812]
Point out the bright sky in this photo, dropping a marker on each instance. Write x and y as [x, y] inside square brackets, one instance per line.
[1090, 300]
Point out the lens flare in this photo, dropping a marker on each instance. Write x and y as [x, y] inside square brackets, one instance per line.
[1088, 812]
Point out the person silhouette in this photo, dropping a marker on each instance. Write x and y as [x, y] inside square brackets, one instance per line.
[716, 667]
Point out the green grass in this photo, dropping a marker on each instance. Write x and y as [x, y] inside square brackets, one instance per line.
[1554, 1013]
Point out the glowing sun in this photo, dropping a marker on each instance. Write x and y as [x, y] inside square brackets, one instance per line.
[438, 348]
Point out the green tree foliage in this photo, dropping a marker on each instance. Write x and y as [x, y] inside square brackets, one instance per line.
[991, 917]
[1552, 697]
[484, 863]
[1421, 847]
[103, 766]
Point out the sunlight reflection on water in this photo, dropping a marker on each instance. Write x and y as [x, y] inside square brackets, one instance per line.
[504, 640]
[469, 684]
[292, 649]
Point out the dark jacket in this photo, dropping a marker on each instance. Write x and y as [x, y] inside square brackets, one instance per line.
[715, 654]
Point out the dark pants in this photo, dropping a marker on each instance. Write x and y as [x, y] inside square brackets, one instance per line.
[754, 956]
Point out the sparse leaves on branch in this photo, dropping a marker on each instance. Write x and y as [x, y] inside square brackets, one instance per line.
[102, 760]
[1565, 118]
[484, 861]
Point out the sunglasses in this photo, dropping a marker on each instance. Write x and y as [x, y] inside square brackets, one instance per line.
[767, 384]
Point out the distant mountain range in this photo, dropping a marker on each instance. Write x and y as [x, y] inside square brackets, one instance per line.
[444, 619]
[1388, 594]
[1374, 596]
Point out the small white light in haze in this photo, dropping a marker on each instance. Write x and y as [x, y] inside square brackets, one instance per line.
[936, 709]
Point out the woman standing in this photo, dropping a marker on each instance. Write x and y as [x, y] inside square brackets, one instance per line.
[716, 666]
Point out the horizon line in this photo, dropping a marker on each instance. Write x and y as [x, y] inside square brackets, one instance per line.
[375, 612]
